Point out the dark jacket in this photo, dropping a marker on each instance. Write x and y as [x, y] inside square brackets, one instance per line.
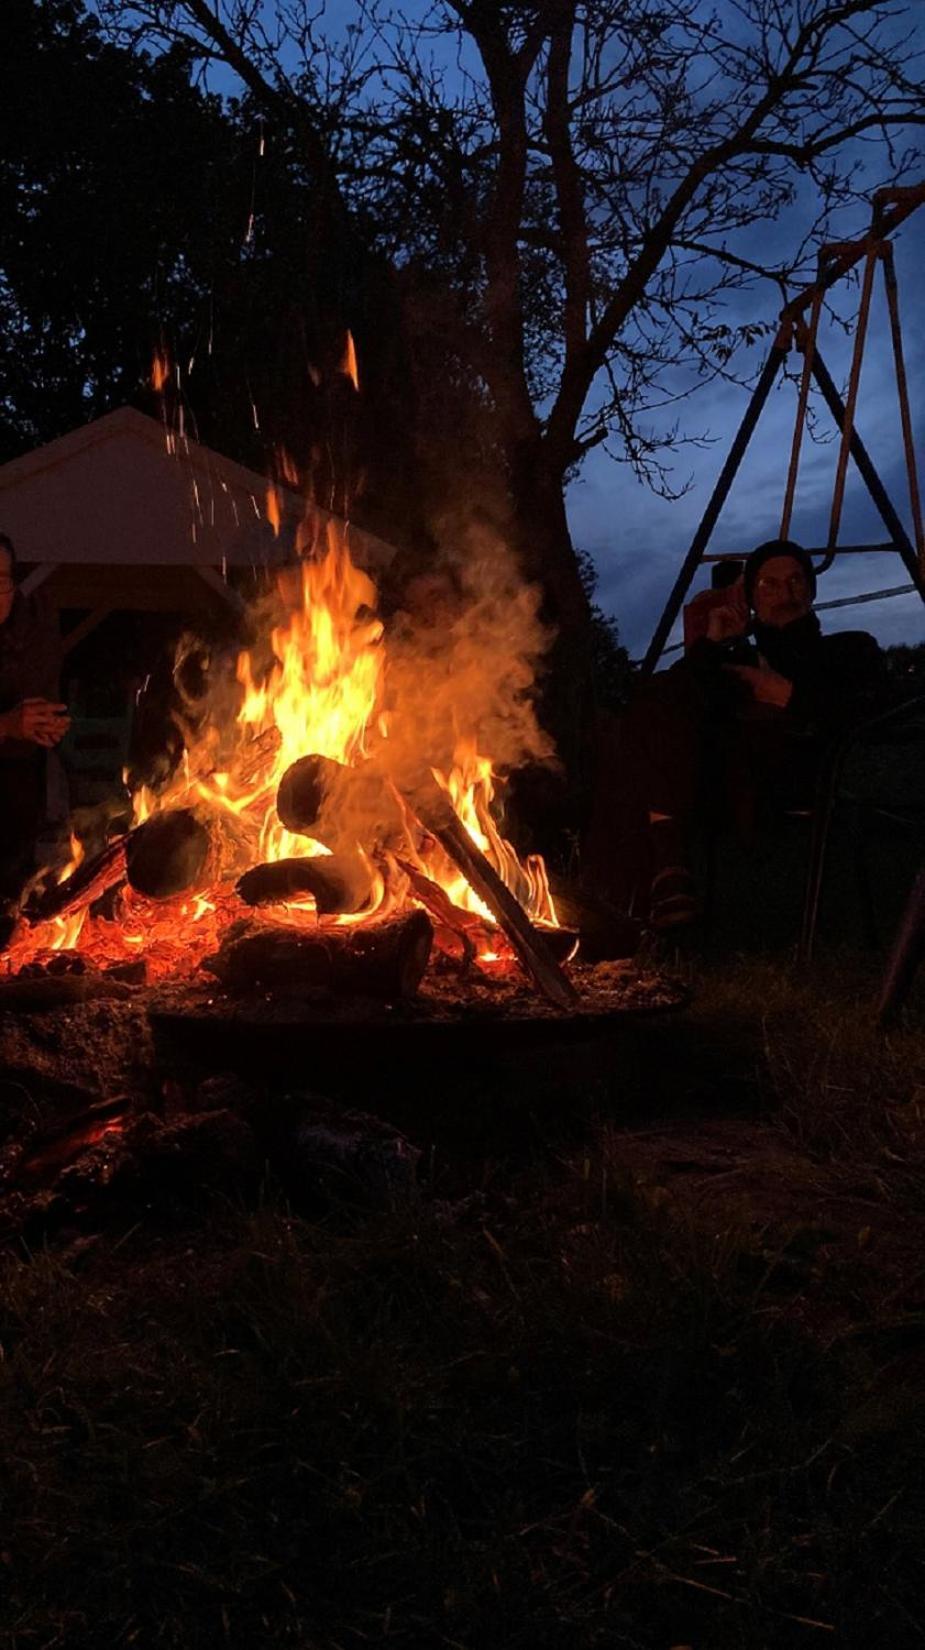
[836, 679]
[30, 665]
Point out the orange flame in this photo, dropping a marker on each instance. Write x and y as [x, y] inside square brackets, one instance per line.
[348, 364]
[77, 855]
[160, 370]
[273, 512]
[321, 688]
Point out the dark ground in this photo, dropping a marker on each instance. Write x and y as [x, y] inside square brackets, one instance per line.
[633, 1353]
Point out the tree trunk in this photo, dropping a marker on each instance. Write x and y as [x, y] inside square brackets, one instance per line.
[543, 540]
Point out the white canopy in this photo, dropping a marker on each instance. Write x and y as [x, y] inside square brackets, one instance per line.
[172, 516]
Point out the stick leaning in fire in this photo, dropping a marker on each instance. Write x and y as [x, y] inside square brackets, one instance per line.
[430, 805]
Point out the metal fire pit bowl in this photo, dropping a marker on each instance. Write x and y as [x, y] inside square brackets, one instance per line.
[448, 1024]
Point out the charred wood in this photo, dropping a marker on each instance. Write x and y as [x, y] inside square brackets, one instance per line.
[338, 806]
[378, 959]
[90, 880]
[164, 856]
[430, 805]
[339, 882]
[168, 854]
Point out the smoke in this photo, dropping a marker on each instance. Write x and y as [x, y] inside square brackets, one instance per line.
[464, 655]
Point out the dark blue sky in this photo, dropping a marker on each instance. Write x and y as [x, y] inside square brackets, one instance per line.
[638, 540]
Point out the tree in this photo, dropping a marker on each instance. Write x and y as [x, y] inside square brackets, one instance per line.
[98, 244]
[567, 192]
[131, 216]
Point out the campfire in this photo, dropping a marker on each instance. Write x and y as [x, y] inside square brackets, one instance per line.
[331, 824]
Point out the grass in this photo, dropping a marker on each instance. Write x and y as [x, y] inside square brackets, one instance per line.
[583, 1405]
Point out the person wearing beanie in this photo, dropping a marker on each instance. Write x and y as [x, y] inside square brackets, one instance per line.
[748, 712]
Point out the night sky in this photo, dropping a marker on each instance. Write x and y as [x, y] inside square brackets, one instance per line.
[638, 541]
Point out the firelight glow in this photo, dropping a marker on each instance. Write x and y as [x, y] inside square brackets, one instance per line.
[317, 685]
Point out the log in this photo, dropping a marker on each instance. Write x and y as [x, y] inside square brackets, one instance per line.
[90, 880]
[302, 790]
[377, 959]
[338, 806]
[167, 855]
[339, 882]
[447, 916]
[164, 856]
[431, 807]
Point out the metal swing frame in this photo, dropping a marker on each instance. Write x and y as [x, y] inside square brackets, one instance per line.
[890, 208]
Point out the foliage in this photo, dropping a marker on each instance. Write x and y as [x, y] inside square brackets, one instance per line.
[139, 212]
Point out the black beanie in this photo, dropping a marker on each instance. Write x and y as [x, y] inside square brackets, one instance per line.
[777, 547]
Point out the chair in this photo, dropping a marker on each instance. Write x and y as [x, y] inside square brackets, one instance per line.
[901, 725]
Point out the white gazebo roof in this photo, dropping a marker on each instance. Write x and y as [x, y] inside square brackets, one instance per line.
[125, 491]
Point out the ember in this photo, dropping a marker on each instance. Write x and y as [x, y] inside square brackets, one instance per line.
[329, 781]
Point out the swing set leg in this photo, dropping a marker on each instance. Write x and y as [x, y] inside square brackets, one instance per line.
[701, 539]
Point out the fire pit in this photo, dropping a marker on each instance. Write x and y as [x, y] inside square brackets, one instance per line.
[327, 852]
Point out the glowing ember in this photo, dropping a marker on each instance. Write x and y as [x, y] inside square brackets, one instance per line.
[319, 685]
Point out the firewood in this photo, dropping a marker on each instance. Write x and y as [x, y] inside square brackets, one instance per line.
[338, 806]
[164, 856]
[606, 933]
[339, 882]
[431, 806]
[90, 880]
[377, 959]
[258, 754]
[167, 855]
[302, 791]
[446, 915]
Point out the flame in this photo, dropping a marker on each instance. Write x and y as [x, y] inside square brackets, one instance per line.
[348, 365]
[273, 511]
[160, 370]
[77, 855]
[316, 684]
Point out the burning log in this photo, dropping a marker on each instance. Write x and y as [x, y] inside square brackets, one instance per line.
[430, 805]
[336, 805]
[90, 880]
[164, 856]
[316, 793]
[339, 882]
[378, 959]
[302, 790]
[448, 917]
[167, 854]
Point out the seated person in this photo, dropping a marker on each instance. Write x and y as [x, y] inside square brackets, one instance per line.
[31, 722]
[748, 711]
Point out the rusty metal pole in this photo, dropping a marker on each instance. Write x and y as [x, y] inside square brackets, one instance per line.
[699, 542]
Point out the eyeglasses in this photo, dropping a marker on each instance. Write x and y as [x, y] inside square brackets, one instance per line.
[796, 584]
